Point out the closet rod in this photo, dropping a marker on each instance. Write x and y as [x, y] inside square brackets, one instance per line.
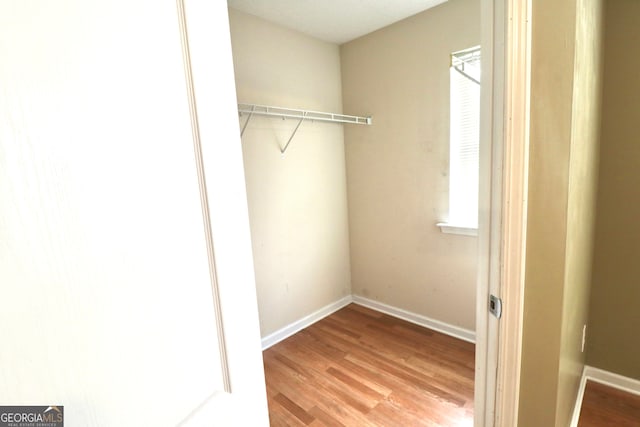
[266, 110]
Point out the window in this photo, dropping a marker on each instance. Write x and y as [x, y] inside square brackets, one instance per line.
[464, 142]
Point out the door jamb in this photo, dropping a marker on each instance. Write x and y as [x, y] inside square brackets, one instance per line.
[514, 227]
[506, 44]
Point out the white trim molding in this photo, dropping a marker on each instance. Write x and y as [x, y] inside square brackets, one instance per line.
[298, 325]
[589, 373]
[514, 206]
[630, 385]
[424, 321]
[204, 197]
[578, 406]
[418, 319]
[461, 230]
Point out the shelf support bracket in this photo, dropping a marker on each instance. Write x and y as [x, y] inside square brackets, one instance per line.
[294, 133]
[253, 107]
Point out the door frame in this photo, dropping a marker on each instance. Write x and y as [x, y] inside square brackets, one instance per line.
[506, 44]
[515, 189]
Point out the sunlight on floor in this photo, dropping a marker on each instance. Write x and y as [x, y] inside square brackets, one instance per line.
[466, 422]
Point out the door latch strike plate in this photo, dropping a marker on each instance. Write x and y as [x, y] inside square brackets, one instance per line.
[495, 306]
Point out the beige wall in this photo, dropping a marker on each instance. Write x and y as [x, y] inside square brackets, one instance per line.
[565, 87]
[297, 202]
[614, 319]
[581, 214]
[397, 169]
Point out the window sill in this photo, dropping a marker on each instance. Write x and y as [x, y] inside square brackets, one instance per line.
[448, 228]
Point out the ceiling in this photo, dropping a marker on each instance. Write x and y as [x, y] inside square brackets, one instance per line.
[335, 21]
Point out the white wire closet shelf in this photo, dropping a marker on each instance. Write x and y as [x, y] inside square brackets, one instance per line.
[301, 115]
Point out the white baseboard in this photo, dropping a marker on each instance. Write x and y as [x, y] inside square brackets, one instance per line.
[610, 379]
[630, 385]
[306, 321]
[578, 406]
[418, 319]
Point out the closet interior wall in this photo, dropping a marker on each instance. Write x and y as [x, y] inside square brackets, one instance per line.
[398, 171]
[297, 201]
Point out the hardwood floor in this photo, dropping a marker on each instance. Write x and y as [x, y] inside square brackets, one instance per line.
[604, 406]
[359, 367]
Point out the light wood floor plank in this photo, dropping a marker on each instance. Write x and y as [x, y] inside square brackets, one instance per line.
[604, 406]
[359, 367]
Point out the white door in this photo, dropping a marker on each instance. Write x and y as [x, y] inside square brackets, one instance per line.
[126, 279]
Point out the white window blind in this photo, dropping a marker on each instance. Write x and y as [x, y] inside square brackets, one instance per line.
[464, 138]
